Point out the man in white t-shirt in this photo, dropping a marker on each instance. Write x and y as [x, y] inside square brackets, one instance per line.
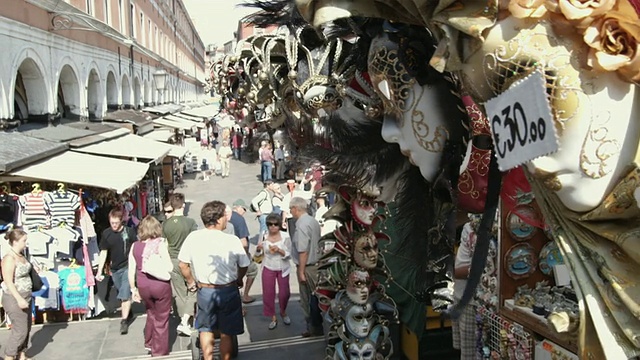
[213, 264]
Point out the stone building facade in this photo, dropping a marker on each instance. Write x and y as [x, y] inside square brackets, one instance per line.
[80, 58]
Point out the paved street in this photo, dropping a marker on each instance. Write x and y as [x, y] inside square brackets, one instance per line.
[100, 339]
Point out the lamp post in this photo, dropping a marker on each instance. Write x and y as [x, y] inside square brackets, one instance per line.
[160, 78]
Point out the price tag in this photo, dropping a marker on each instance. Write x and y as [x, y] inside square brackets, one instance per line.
[521, 123]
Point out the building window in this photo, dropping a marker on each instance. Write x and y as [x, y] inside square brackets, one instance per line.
[132, 24]
[107, 11]
[90, 7]
[142, 39]
[122, 17]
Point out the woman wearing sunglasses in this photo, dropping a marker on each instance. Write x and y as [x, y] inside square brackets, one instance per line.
[276, 247]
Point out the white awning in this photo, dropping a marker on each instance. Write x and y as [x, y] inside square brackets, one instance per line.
[186, 121]
[159, 134]
[84, 169]
[177, 151]
[182, 125]
[207, 111]
[133, 146]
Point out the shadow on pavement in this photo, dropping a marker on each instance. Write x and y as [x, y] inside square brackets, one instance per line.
[41, 338]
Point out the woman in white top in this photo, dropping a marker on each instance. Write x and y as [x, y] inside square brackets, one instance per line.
[276, 267]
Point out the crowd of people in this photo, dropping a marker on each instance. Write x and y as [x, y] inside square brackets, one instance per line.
[215, 157]
[173, 269]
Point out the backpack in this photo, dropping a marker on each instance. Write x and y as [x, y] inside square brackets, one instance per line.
[260, 202]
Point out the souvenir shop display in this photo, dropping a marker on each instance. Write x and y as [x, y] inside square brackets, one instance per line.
[520, 261]
[359, 313]
[519, 229]
[62, 241]
[398, 95]
[8, 207]
[549, 257]
[74, 290]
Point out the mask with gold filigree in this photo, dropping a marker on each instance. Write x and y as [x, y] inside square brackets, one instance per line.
[472, 182]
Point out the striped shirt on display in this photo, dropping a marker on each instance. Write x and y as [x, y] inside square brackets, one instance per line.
[34, 213]
[62, 207]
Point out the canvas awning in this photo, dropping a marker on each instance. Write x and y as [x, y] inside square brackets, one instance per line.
[133, 146]
[163, 109]
[160, 134]
[84, 169]
[182, 125]
[199, 124]
[177, 151]
[207, 111]
[190, 117]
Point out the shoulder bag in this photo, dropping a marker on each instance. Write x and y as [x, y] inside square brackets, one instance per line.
[157, 262]
[36, 281]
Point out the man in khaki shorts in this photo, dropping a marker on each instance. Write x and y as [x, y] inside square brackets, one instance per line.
[175, 230]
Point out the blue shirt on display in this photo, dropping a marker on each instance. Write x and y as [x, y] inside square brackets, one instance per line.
[74, 289]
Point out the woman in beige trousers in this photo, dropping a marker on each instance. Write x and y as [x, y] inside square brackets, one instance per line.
[16, 296]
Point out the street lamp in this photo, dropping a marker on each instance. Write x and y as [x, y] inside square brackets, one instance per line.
[160, 78]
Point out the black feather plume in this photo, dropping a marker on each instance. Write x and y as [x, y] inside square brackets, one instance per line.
[274, 12]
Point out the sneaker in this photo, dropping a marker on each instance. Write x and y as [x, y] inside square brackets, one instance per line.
[184, 329]
[286, 320]
[148, 350]
[124, 327]
[273, 324]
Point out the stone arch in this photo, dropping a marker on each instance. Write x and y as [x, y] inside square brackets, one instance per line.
[29, 86]
[68, 92]
[94, 98]
[137, 93]
[147, 93]
[154, 92]
[112, 91]
[169, 93]
[126, 91]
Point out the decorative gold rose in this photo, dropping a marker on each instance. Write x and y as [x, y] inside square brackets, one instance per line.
[614, 40]
[527, 8]
[611, 29]
[584, 9]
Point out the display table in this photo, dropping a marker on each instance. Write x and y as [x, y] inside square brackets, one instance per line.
[538, 325]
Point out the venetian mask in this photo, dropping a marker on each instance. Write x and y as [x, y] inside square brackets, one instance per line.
[365, 252]
[359, 320]
[595, 113]
[413, 115]
[363, 209]
[358, 286]
[364, 350]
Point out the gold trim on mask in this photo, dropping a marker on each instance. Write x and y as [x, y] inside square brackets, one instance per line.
[549, 180]
[598, 147]
[421, 129]
[385, 65]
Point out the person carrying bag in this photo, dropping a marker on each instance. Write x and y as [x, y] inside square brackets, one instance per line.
[149, 273]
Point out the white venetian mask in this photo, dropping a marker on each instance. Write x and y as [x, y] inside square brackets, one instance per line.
[414, 118]
[596, 113]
